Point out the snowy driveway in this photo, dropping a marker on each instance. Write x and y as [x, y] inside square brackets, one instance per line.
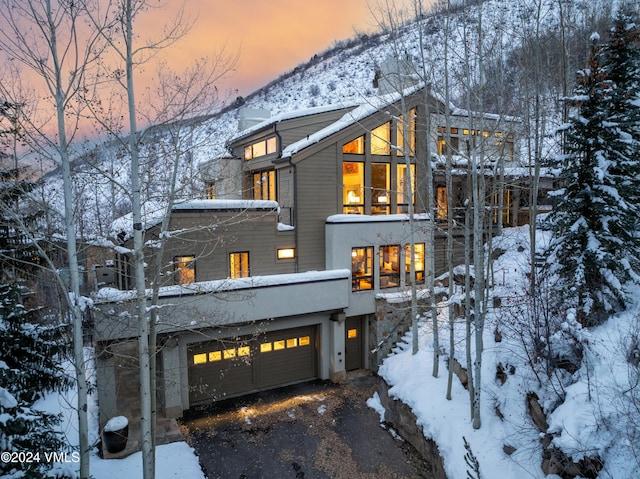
[315, 430]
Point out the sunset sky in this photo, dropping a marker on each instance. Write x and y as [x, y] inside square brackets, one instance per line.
[270, 36]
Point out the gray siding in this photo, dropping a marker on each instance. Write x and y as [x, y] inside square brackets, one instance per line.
[318, 186]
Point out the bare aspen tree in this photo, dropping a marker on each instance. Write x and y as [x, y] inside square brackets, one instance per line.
[48, 38]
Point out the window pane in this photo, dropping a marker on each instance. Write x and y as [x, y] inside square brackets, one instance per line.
[200, 358]
[381, 140]
[403, 186]
[264, 185]
[259, 149]
[353, 187]
[418, 262]
[266, 347]
[248, 152]
[355, 147]
[278, 345]
[271, 145]
[441, 203]
[389, 266]
[304, 341]
[229, 353]
[286, 253]
[292, 342]
[185, 269]
[362, 268]
[380, 184]
[410, 125]
[244, 351]
[215, 356]
[352, 333]
[239, 265]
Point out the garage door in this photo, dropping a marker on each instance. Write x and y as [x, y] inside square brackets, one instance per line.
[231, 367]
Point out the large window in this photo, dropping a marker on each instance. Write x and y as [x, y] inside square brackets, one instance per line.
[418, 263]
[353, 187]
[381, 139]
[506, 207]
[264, 185]
[389, 266]
[404, 177]
[239, 265]
[260, 148]
[184, 269]
[380, 188]
[362, 268]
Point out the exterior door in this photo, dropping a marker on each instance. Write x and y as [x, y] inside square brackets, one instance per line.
[353, 343]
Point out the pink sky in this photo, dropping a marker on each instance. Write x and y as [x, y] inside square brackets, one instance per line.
[271, 36]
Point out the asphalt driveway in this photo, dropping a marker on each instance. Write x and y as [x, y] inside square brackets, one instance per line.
[316, 430]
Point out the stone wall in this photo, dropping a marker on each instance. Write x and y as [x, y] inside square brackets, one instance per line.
[401, 417]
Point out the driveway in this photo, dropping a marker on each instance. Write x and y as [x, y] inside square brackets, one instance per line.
[316, 430]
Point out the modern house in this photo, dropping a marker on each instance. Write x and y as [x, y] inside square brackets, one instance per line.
[298, 264]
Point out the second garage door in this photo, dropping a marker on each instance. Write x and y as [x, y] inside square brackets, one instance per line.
[231, 367]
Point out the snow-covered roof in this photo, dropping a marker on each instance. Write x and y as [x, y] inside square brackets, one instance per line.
[225, 205]
[367, 108]
[345, 218]
[290, 115]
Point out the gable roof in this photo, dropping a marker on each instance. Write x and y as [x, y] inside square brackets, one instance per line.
[367, 108]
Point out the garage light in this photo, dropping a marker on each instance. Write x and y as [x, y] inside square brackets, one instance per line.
[286, 253]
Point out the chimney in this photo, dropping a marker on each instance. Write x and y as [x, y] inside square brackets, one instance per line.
[248, 117]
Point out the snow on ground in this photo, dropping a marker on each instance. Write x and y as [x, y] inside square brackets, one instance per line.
[176, 460]
[593, 411]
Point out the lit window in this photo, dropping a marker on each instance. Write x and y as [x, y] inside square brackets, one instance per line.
[448, 145]
[418, 263]
[264, 185]
[354, 147]
[200, 358]
[184, 269]
[353, 187]
[403, 186]
[362, 268]
[292, 342]
[286, 253]
[210, 190]
[215, 356]
[304, 341]
[229, 353]
[380, 188]
[441, 203]
[410, 125]
[389, 266]
[381, 140]
[352, 333]
[506, 207]
[244, 351]
[266, 348]
[278, 345]
[260, 148]
[239, 265]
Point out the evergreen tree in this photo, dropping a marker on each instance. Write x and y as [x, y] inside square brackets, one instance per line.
[29, 367]
[595, 249]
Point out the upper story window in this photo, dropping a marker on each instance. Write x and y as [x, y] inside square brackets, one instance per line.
[264, 185]
[354, 147]
[353, 187]
[452, 141]
[410, 125]
[380, 188]
[239, 265]
[381, 139]
[184, 268]
[260, 148]
[442, 205]
[406, 179]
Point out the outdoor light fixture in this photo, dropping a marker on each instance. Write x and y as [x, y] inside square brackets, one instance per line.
[286, 253]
